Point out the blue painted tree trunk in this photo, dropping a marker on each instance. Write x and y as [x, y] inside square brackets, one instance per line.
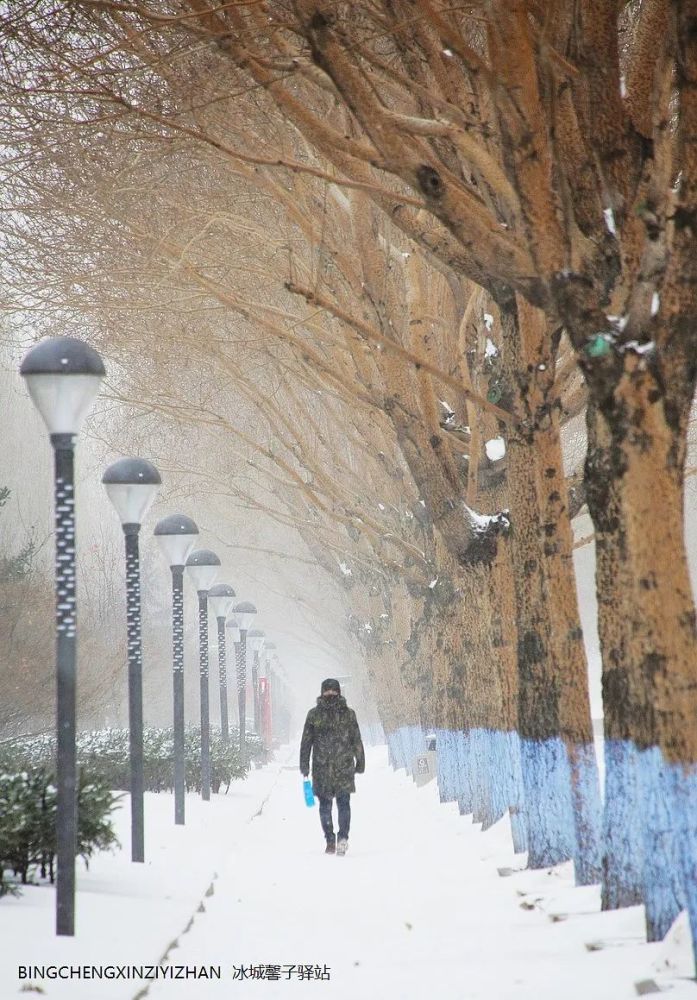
[547, 783]
[465, 792]
[391, 755]
[661, 877]
[446, 765]
[682, 780]
[516, 798]
[404, 744]
[649, 836]
[587, 813]
[481, 769]
[490, 769]
[623, 846]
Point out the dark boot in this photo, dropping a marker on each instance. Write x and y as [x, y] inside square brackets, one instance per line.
[331, 846]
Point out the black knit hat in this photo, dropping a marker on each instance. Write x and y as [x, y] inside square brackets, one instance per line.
[330, 685]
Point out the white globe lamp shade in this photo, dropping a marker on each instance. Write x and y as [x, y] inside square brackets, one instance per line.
[244, 613]
[63, 376]
[255, 638]
[176, 535]
[131, 485]
[220, 600]
[203, 567]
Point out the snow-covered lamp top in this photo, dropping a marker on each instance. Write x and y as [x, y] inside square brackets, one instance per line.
[176, 535]
[203, 567]
[220, 600]
[255, 638]
[131, 484]
[244, 613]
[63, 376]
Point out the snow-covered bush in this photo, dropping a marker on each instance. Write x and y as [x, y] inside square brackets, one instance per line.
[28, 822]
[226, 764]
[105, 753]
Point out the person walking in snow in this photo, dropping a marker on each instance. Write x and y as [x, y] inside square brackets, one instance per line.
[332, 735]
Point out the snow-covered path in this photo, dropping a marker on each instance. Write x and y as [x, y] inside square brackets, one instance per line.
[417, 907]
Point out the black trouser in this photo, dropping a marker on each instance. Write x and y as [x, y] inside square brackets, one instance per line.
[343, 801]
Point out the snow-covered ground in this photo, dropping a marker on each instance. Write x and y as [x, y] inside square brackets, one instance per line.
[417, 908]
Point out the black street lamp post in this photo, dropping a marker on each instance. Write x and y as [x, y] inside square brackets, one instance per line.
[233, 627]
[63, 376]
[256, 643]
[266, 695]
[244, 613]
[283, 699]
[202, 566]
[131, 484]
[176, 535]
[220, 599]
[269, 652]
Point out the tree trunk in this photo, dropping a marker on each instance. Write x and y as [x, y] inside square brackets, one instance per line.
[545, 766]
[559, 768]
[504, 638]
[459, 641]
[568, 651]
[623, 850]
[653, 710]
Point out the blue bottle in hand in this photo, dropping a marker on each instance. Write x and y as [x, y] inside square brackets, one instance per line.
[307, 789]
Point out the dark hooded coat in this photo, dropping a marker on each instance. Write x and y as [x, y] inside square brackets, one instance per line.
[332, 735]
